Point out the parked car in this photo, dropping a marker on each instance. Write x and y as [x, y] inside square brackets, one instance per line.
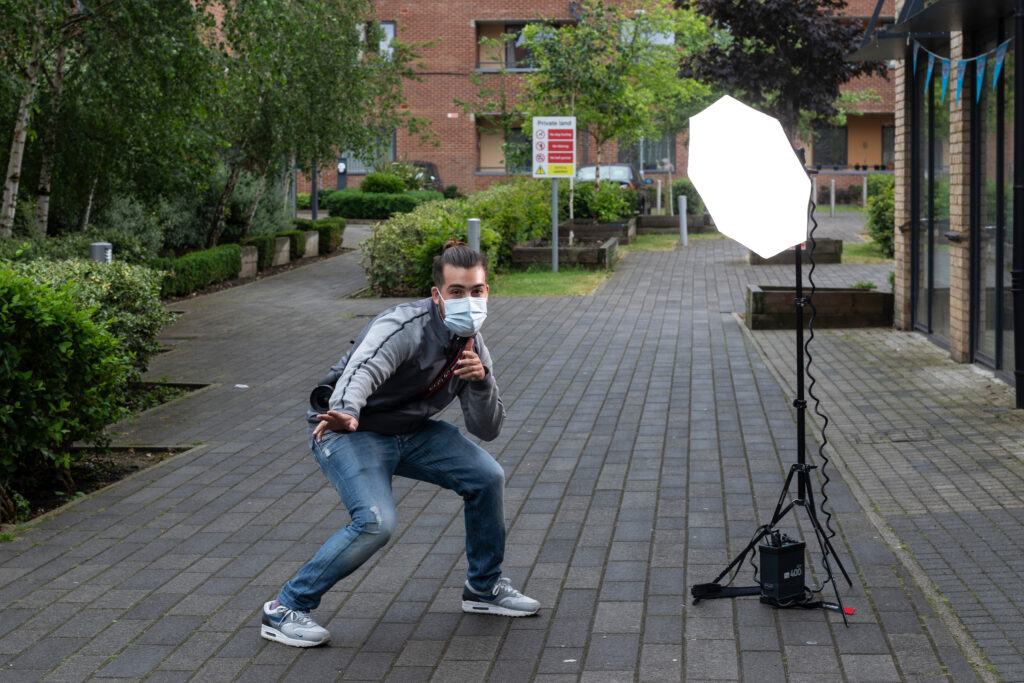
[626, 175]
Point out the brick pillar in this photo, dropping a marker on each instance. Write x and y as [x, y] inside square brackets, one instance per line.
[959, 211]
[904, 81]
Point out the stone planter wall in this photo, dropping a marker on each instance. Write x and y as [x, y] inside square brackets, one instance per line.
[282, 249]
[595, 256]
[826, 250]
[774, 308]
[250, 261]
[663, 225]
[312, 243]
[589, 230]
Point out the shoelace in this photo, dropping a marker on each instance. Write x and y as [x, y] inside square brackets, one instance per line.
[504, 587]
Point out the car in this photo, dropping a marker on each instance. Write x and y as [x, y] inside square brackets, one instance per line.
[626, 175]
[426, 173]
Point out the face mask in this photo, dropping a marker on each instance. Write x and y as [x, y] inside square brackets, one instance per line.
[464, 316]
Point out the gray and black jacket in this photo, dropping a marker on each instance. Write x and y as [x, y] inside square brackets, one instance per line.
[398, 374]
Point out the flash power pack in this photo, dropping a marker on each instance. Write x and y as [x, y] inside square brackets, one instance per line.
[782, 570]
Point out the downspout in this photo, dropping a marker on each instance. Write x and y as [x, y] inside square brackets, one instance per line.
[1017, 272]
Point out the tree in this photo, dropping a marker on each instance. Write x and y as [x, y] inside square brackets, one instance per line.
[615, 70]
[782, 56]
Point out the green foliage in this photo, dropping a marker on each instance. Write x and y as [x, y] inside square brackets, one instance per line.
[881, 220]
[451, 191]
[330, 232]
[304, 201]
[61, 378]
[296, 243]
[879, 182]
[192, 272]
[265, 245]
[353, 203]
[387, 183]
[126, 246]
[608, 204]
[398, 256]
[684, 186]
[126, 220]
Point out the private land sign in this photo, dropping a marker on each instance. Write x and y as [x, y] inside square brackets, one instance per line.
[554, 146]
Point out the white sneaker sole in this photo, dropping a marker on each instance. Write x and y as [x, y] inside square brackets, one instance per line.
[278, 637]
[473, 607]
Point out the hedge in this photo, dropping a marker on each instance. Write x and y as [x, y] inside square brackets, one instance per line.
[386, 183]
[296, 243]
[330, 229]
[61, 379]
[353, 203]
[200, 269]
[265, 247]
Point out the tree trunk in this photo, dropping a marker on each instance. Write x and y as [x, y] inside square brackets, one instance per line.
[49, 137]
[219, 216]
[255, 206]
[83, 221]
[18, 146]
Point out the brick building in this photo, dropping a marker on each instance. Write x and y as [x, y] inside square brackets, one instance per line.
[955, 179]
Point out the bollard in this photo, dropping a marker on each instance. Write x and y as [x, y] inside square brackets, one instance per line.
[101, 252]
[473, 232]
[865, 192]
[832, 198]
[683, 228]
[659, 196]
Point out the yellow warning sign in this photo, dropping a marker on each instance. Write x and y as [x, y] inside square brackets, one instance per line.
[540, 170]
[560, 169]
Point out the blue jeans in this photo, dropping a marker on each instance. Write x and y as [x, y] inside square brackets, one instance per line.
[360, 465]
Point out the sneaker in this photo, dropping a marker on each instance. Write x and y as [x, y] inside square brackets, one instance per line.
[292, 627]
[503, 599]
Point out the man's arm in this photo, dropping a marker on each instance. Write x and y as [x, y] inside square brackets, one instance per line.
[481, 403]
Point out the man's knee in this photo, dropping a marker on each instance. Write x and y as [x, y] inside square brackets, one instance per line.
[374, 525]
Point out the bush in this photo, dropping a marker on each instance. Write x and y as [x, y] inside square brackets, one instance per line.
[330, 232]
[610, 202]
[352, 203]
[387, 183]
[122, 298]
[192, 272]
[129, 226]
[304, 201]
[877, 182]
[265, 245]
[451, 191]
[127, 248]
[60, 382]
[296, 243]
[881, 220]
[684, 186]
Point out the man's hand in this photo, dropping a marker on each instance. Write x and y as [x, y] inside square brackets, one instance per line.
[336, 422]
[470, 368]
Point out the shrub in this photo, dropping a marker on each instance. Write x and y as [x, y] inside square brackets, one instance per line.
[352, 203]
[129, 226]
[200, 269]
[303, 201]
[127, 248]
[877, 182]
[296, 243]
[329, 229]
[881, 220]
[60, 382]
[451, 191]
[265, 247]
[387, 183]
[684, 186]
[609, 203]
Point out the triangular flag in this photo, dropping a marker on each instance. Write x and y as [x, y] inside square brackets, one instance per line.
[961, 69]
[917, 47]
[979, 77]
[928, 78]
[1000, 56]
[945, 78]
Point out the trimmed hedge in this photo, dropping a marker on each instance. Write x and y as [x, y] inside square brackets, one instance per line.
[694, 204]
[387, 183]
[296, 243]
[192, 272]
[61, 379]
[330, 229]
[353, 203]
[265, 246]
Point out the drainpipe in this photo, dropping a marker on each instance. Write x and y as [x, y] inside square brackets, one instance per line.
[1017, 271]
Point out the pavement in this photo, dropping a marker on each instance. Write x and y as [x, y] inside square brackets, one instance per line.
[649, 433]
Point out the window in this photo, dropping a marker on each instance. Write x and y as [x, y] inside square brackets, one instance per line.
[387, 30]
[365, 165]
[501, 46]
[651, 154]
[495, 153]
[888, 146]
[517, 56]
[830, 146]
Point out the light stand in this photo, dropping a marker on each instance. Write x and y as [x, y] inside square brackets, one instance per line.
[799, 470]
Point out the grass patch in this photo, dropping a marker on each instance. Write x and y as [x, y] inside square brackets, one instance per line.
[651, 243]
[863, 252]
[538, 282]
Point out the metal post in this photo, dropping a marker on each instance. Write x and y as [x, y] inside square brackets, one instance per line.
[554, 225]
[314, 200]
[473, 233]
[1017, 270]
[865, 193]
[683, 227]
[659, 196]
[832, 197]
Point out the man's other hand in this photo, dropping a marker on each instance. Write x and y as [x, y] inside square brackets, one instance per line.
[470, 367]
[336, 422]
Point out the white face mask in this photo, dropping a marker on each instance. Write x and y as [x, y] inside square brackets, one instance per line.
[464, 316]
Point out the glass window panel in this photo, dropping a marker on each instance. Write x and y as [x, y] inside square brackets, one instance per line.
[830, 146]
[1007, 77]
[988, 234]
[650, 154]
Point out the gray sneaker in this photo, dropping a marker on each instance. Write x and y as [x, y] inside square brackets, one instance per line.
[291, 627]
[503, 599]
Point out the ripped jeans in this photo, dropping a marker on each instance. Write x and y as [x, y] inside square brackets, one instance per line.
[360, 465]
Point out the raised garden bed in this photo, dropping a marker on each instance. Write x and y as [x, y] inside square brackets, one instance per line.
[590, 230]
[774, 308]
[648, 224]
[826, 250]
[597, 255]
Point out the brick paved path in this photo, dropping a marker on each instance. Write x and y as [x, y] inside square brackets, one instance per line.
[648, 435]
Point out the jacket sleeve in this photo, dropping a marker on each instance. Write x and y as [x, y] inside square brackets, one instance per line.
[387, 344]
[481, 403]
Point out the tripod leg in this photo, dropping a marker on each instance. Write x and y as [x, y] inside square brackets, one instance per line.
[823, 539]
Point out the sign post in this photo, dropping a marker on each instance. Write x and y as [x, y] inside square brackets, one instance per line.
[554, 157]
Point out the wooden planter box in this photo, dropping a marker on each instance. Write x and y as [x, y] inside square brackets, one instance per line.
[589, 230]
[648, 224]
[826, 250]
[774, 308]
[592, 256]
